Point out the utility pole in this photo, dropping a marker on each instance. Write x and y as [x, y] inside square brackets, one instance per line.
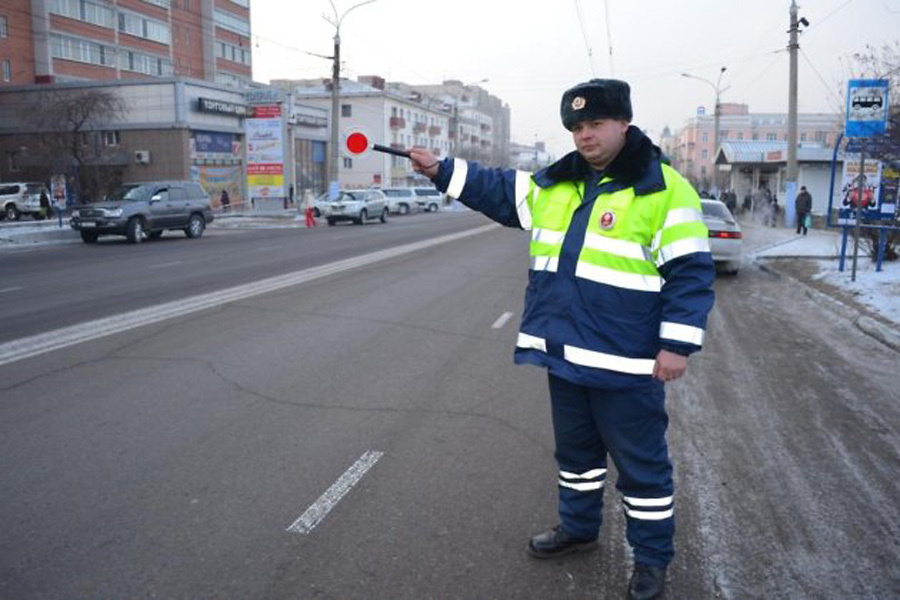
[336, 88]
[791, 183]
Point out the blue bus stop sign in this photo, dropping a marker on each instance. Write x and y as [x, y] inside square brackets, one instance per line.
[867, 107]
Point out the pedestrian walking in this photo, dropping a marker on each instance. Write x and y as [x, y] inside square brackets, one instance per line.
[310, 211]
[224, 200]
[803, 208]
[619, 291]
[44, 202]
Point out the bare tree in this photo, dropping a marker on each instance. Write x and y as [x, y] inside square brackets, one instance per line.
[70, 124]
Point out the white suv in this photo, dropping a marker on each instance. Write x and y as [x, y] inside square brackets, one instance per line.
[17, 199]
[358, 206]
[401, 201]
[428, 198]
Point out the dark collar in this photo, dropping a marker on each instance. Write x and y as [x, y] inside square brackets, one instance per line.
[637, 165]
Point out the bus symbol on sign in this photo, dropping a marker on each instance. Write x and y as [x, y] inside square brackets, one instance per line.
[867, 106]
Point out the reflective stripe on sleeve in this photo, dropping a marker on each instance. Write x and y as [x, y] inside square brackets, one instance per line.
[530, 342]
[678, 216]
[600, 360]
[523, 184]
[620, 279]
[682, 248]
[458, 179]
[622, 248]
[681, 333]
[545, 263]
[547, 236]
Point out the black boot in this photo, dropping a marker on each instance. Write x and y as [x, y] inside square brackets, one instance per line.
[557, 542]
[647, 583]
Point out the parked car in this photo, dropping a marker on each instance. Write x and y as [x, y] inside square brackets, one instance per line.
[17, 199]
[401, 201]
[429, 199]
[320, 205]
[725, 238]
[145, 210]
[358, 206]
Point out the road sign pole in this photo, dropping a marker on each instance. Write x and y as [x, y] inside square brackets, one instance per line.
[859, 202]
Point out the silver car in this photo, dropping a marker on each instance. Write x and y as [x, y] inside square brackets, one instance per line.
[357, 206]
[725, 238]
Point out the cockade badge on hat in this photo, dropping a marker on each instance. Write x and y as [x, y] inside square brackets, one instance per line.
[578, 103]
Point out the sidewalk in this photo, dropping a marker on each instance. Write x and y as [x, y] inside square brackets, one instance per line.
[872, 302]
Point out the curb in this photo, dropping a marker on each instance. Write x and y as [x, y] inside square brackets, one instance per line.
[874, 329]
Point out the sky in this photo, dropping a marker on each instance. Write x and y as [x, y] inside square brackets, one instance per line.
[531, 51]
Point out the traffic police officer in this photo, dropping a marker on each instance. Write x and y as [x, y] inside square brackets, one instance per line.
[619, 290]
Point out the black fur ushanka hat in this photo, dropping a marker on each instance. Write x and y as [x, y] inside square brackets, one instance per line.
[596, 99]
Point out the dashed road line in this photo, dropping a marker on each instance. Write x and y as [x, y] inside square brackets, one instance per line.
[502, 320]
[164, 265]
[313, 515]
[11, 289]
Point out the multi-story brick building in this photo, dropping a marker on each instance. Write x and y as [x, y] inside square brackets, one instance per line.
[691, 148]
[46, 41]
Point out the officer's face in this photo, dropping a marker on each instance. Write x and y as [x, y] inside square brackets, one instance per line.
[599, 141]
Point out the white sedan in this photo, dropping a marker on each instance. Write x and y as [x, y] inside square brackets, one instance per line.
[725, 238]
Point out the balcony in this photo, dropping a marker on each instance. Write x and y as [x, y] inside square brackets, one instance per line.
[397, 123]
[419, 128]
[434, 130]
[396, 146]
[475, 139]
[485, 127]
[436, 151]
[451, 134]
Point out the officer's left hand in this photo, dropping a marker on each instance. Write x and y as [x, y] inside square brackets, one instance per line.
[669, 366]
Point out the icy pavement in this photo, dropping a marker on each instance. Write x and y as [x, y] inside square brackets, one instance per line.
[879, 291]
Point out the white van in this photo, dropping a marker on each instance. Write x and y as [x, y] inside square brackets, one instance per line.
[17, 199]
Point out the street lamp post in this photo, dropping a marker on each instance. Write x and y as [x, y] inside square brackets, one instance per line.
[718, 90]
[336, 85]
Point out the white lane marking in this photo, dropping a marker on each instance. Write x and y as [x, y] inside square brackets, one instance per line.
[321, 507]
[502, 320]
[11, 289]
[164, 265]
[76, 334]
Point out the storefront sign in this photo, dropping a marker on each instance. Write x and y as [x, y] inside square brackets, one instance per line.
[221, 107]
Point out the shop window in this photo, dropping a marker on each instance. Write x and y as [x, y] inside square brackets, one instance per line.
[346, 110]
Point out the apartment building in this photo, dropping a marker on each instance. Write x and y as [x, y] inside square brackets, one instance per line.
[49, 41]
[691, 149]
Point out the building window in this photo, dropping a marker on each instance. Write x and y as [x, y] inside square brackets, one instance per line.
[802, 137]
[740, 135]
[160, 3]
[704, 154]
[724, 134]
[771, 137]
[110, 138]
[7, 70]
[4, 28]
[12, 162]
[755, 137]
[231, 22]
[143, 27]
[820, 136]
[705, 136]
[348, 163]
[346, 110]
[82, 10]
[82, 51]
[145, 63]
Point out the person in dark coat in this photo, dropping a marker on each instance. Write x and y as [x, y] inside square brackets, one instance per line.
[45, 205]
[224, 200]
[803, 206]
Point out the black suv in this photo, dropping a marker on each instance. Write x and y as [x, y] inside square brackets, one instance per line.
[145, 210]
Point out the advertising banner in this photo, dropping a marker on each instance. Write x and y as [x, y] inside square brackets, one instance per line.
[265, 152]
[870, 202]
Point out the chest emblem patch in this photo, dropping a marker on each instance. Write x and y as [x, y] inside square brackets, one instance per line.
[607, 220]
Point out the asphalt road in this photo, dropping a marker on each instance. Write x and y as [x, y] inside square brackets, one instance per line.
[169, 461]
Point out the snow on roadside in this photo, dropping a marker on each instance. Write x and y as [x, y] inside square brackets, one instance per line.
[879, 291]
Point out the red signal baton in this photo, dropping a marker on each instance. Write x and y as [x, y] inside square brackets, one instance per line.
[387, 150]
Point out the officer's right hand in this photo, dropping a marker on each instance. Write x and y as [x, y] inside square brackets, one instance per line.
[424, 162]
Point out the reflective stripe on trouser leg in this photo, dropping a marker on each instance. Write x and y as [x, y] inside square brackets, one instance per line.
[581, 456]
[633, 424]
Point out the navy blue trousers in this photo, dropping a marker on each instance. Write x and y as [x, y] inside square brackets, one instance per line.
[628, 425]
